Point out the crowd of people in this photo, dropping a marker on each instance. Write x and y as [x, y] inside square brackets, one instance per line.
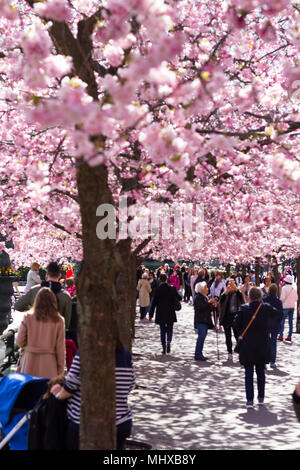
[229, 304]
[254, 315]
[44, 341]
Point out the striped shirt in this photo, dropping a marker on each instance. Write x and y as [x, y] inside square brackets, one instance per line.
[72, 385]
[125, 382]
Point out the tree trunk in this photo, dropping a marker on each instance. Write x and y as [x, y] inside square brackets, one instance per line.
[228, 270]
[276, 272]
[97, 320]
[257, 272]
[126, 288]
[244, 270]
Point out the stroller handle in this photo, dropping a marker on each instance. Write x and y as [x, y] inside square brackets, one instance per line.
[14, 430]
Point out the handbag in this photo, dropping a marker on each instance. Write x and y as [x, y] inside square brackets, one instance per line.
[240, 338]
[177, 304]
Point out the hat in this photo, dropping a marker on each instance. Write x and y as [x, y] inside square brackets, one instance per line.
[288, 279]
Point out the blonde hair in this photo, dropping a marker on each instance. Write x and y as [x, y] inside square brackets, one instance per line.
[35, 266]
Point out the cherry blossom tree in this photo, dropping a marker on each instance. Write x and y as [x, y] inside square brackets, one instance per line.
[172, 102]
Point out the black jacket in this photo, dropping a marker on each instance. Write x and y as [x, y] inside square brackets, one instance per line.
[226, 316]
[48, 425]
[202, 310]
[255, 346]
[164, 302]
[273, 300]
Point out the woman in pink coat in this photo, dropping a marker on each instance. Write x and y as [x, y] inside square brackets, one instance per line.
[174, 280]
[41, 336]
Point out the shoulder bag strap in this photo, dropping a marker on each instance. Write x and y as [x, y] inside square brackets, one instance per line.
[252, 319]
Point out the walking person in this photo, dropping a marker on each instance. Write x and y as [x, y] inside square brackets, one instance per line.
[33, 277]
[164, 301]
[154, 285]
[229, 304]
[187, 285]
[41, 336]
[144, 290]
[288, 298]
[203, 308]
[254, 322]
[174, 280]
[193, 278]
[272, 299]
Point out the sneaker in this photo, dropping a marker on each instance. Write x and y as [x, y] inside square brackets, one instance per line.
[201, 358]
[260, 401]
[279, 338]
[168, 347]
[229, 358]
[249, 404]
[288, 339]
[272, 365]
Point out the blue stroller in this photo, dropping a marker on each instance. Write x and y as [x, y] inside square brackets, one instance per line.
[19, 393]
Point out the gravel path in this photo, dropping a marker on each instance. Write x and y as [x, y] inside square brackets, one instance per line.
[181, 404]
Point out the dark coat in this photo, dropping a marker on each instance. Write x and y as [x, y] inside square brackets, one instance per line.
[273, 300]
[255, 346]
[164, 302]
[276, 303]
[227, 317]
[202, 310]
[48, 425]
[154, 286]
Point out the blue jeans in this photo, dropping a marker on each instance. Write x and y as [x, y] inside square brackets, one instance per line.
[287, 312]
[166, 332]
[249, 385]
[72, 438]
[202, 332]
[273, 346]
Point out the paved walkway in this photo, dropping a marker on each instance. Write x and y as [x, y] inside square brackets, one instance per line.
[181, 404]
